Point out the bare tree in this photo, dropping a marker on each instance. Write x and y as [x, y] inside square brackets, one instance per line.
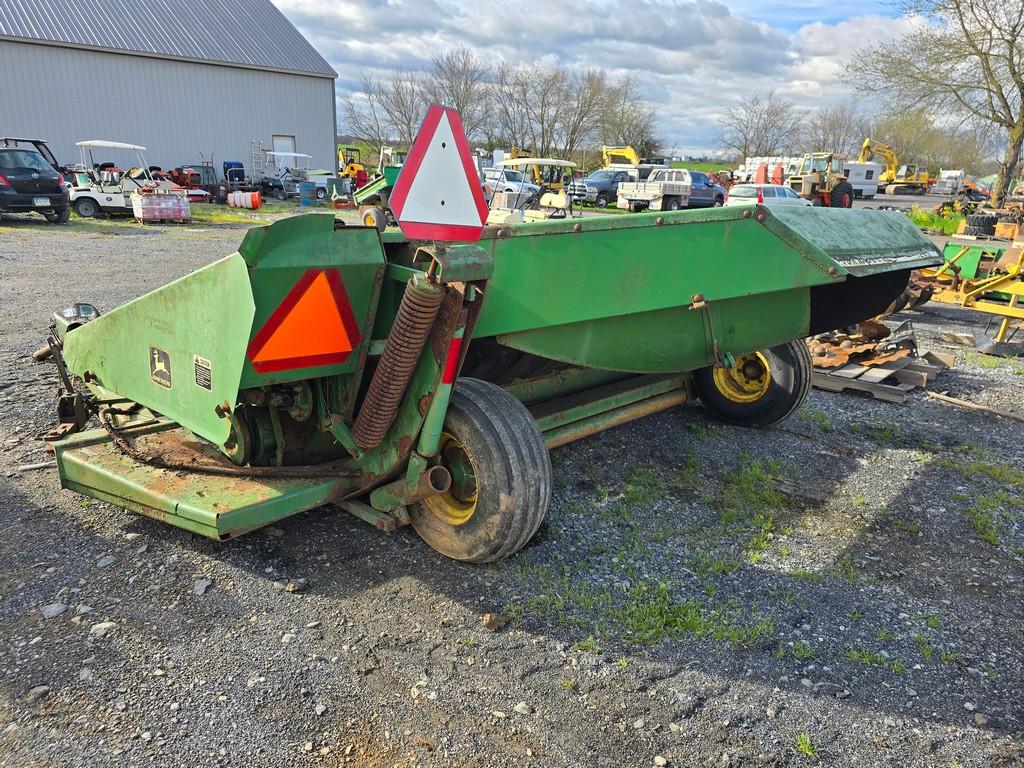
[757, 128]
[459, 79]
[628, 120]
[364, 115]
[967, 61]
[527, 102]
[401, 98]
[840, 128]
[583, 105]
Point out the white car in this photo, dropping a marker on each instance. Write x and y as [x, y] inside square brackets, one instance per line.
[765, 194]
[510, 181]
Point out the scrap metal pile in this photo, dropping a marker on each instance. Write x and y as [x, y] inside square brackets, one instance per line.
[868, 343]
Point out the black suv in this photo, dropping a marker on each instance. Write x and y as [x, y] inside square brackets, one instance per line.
[31, 181]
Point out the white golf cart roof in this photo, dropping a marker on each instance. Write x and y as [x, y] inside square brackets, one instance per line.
[108, 144]
[289, 154]
[521, 162]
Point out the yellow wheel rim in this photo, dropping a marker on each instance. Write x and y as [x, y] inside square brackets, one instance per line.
[747, 381]
[456, 505]
[369, 219]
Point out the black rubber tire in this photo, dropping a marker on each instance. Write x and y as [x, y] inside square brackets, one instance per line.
[58, 215]
[790, 367]
[513, 471]
[842, 195]
[321, 193]
[280, 194]
[672, 204]
[973, 231]
[719, 202]
[601, 201]
[87, 208]
[374, 217]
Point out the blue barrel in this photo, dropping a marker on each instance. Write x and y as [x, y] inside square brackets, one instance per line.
[307, 193]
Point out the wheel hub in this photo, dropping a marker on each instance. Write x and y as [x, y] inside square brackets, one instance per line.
[456, 505]
[746, 381]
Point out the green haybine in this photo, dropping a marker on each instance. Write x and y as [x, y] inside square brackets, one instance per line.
[408, 382]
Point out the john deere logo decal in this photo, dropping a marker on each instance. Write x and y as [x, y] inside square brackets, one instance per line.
[160, 367]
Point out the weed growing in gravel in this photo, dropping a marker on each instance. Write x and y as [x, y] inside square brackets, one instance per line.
[898, 667]
[845, 569]
[815, 415]
[856, 615]
[567, 683]
[884, 634]
[982, 519]
[702, 430]
[643, 486]
[971, 460]
[909, 527]
[688, 474]
[859, 500]
[707, 564]
[805, 746]
[924, 645]
[984, 361]
[932, 621]
[802, 650]
[589, 645]
[863, 655]
[650, 615]
[809, 576]
[886, 434]
[621, 663]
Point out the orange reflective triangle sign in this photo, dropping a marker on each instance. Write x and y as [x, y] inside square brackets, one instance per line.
[313, 325]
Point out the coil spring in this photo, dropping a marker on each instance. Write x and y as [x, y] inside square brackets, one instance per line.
[402, 349]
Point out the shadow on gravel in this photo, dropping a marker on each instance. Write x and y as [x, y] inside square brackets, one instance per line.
[833, 563]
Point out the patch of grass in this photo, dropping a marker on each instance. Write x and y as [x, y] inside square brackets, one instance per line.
[972, 461]
[688, 474]
[898, 667]
[650, 615]
[567, 683]
[884, 634]
[707, 564]
[924, 645]
[909, 527]
[984, 361]
[863, 655]
[932, 621]
[703, 430]
[643, 486]
[886, 434]
[816, 416]
[621, 663]
[809, 576]
[859, 500]
[982, 518]
[949, 657]
[805, 746]
[845, 569]
[588, 645]
[802, 650]
[856, 615]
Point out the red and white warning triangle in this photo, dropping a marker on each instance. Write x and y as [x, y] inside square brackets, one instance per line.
[438, 195]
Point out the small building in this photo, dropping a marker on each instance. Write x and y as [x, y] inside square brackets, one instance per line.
[187, 79]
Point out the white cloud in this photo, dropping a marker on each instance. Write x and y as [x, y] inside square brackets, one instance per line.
[691, 58]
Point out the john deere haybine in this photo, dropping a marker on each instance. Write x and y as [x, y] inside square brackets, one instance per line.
[409, 381]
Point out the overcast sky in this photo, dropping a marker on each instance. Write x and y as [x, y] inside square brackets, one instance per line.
[691, 59]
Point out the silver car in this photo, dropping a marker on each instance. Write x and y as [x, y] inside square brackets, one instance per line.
[765, 194]
[510, 181]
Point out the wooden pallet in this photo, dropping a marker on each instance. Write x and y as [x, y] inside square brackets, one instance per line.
[890, 381]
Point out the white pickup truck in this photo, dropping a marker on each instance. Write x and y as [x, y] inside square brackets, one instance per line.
[666, 189]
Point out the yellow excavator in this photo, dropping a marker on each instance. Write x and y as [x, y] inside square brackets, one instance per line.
[895, 179]
[619, 156]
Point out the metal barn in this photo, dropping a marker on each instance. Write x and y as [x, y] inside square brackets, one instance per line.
[188, 80]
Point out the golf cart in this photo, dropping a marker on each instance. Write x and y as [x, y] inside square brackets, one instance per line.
[509, 208]
[104, 187]
[280, 179]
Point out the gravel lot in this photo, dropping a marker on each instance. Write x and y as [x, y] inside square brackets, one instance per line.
[844, 590]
